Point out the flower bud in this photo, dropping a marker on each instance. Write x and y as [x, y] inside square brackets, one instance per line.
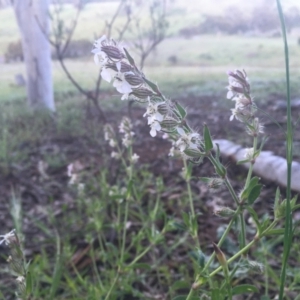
[163, 109]
[141, 93]
[224, 212]
[21, 285]
[255, 266]
[133, 80]
[113, 52]
[193, 152]
[16, 264]
[215, 183]
[169, 123]
[239, 82]
[124, 67]
[255, 128]
[220, 255]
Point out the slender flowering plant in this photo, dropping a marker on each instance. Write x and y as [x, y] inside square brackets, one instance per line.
[18, 266]
[162, 114]
[168, 117]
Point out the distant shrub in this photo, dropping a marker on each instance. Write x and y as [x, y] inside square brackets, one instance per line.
[262, 20]
[14, 52]
[76, 49]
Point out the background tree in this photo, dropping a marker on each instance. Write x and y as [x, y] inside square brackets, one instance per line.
[31, 16]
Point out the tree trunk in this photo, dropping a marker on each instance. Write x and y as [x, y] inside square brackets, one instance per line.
[33, 20]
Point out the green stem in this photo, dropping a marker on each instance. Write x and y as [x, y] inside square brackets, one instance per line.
[190, 195]
[231, 191]
[112, 286]
[187, 180]
[222, 239]
[288, 232]
[124, 232]
[246, 248]
[251, 164]
[241, 217]
[234, 257]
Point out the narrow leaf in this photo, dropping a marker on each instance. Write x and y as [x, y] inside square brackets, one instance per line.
[153, 86]
[239, 162]
[278, 231]
[215, 294]
[254, 217]
[207, 139]
[28, 284]
[130, 59]
[181, 110]
[255, 192]
[204, 179]
[244, 288]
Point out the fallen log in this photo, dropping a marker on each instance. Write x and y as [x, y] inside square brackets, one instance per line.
[267, 165]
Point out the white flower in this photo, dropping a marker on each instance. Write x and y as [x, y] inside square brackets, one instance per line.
[249, 153]
[234, 114]
[20, 279]
[98, 51]
[134, 158]
[125, 96]
[115, 155]
[112, 143]
[242, 102]
[155, 127]
[187, 140]
[80, 188]
[153, 113]
[165, 136]
[127, 140]
[172, 151]
[108, 74]
[240, 114]
[121, 84]
[7, 236]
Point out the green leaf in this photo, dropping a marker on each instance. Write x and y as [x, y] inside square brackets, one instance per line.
[239, 162]
[181, 110]
[244, 288]
[140, 266]
[266, 298]
[186, 219]
[277, 197]
[180, 284]
[201, 258]
[207, 139]
[153, 86]
[254, 217]
[215, 294]
[28, 284]
[218, 152]
[129, 189]
[253, 182]
[179, 226]
[255, 192]
[204, 179]
[130, 59]
[278, 231]
[182, 297]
